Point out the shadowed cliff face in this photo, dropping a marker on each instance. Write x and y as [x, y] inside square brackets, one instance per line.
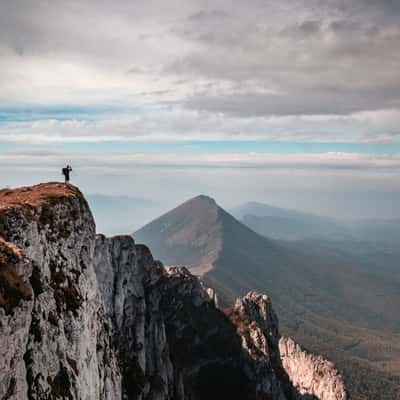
[86, 317]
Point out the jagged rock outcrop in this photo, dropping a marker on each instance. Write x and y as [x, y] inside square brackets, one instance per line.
[86, 317]
[303, 375]
[309, 373]
[257, 326]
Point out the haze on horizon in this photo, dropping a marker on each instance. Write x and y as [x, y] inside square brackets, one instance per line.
[293, 103]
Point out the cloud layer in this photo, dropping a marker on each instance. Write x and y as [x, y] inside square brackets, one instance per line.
[265, 70]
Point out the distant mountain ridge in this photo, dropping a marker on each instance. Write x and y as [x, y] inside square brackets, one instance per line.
[286, 224]
[237, 259]
[317, 296]
[263, 210]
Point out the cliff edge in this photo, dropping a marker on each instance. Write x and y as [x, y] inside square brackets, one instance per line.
[90, 317]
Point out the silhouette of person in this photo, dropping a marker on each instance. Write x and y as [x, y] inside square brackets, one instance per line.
[66, 172]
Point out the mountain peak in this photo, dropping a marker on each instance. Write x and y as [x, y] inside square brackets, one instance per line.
[202, 198]
[190, 234]
[195, 233]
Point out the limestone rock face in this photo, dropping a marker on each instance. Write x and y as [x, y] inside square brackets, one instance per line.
[301, 375]
[16, 303]
[311, 374]
[257, 326]
[62, 345]
[127, 275]
[89, 317]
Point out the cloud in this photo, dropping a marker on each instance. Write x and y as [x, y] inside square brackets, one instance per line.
[171, 124]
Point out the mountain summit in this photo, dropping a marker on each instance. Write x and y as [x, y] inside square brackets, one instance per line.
[190, 234]
[204, 237]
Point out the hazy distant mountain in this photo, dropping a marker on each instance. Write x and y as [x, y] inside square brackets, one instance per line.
[121, 214]
[377, 230]
[199, 233]
[281, 223]
[318, 294]
[265, 210]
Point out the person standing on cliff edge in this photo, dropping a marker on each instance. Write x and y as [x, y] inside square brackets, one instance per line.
[66, 172]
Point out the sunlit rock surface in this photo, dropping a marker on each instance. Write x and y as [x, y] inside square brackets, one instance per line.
[309, 373]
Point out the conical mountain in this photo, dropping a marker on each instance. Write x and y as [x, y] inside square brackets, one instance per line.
[212, 243]
[190, 234]
[324, 300]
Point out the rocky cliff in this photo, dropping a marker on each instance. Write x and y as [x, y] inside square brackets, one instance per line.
[309, 373]
[54, 338]
[86, 317]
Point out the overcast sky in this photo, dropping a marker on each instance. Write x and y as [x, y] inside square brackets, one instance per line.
[291, 102]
